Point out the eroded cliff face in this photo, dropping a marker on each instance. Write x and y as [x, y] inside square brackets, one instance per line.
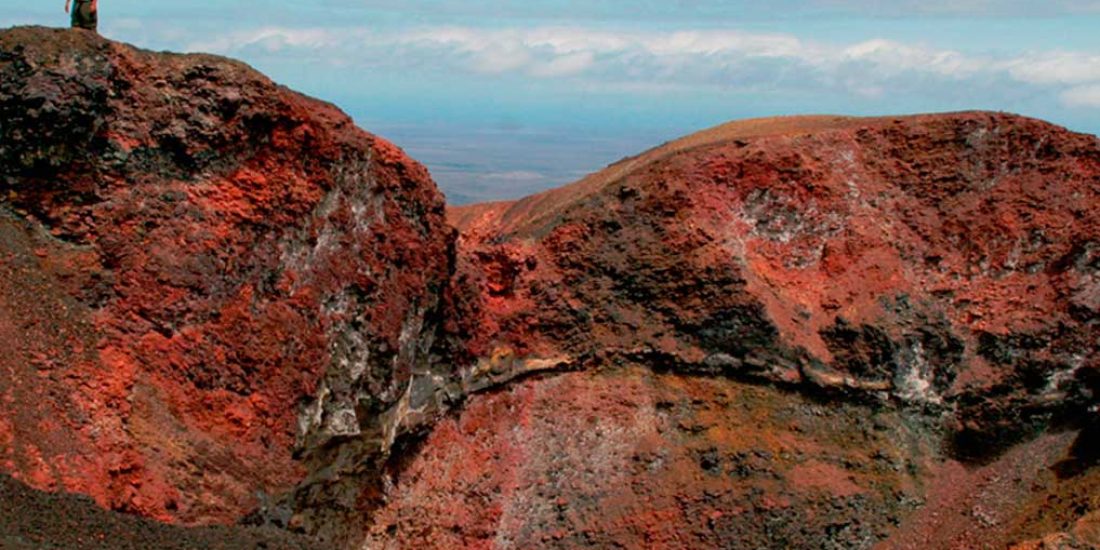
[629, 458]
[211, 285]
[947, 262]
[933, 276]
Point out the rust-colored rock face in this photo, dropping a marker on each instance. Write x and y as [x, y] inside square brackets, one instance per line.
[626, 458]
[948, 262]
[633, 459]
[942, 268]
[220, 298]
[200, 271]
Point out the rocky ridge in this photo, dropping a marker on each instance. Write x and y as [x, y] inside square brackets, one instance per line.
[942, 267]
[939, 261]
[210, 282]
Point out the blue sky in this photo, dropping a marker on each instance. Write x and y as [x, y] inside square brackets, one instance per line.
[501, 98]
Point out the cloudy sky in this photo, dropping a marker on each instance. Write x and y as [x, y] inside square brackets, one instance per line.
[503, 97]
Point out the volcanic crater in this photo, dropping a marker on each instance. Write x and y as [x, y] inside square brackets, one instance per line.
[231, 318]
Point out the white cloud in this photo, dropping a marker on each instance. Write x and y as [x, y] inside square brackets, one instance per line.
[719, 42]
[501, 60]
[687, 59]
[894, 58]
[270, 39]
[1056, 68]
[703, 55]
[565, 65]
[1082, 96]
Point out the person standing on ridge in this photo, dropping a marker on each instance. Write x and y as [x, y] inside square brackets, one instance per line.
[85, 14]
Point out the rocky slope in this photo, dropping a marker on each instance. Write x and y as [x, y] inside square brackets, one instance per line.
[629, 458]
[221, 298]
[210, 285]
[939, 273]
[943, 262]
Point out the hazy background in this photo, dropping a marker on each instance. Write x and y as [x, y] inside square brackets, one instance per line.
[501, 98]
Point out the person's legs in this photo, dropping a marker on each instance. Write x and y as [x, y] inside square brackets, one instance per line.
[83, 17]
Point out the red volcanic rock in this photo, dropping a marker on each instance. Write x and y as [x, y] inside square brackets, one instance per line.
[944, 261]
[628, 458]
[218, 296]
[943, 266]
[200, 272]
